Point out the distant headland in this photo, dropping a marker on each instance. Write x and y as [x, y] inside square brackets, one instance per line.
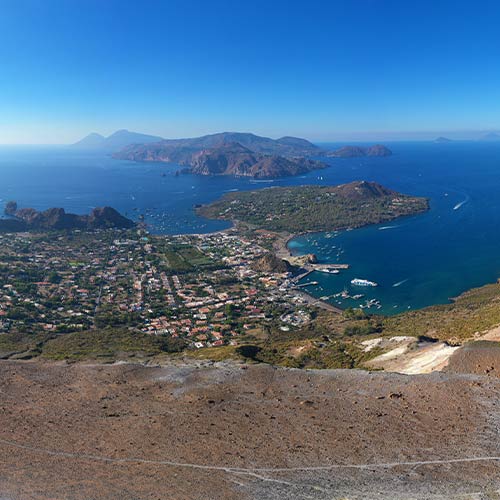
[490, 137]
[114, 142]
[54, 219]
[442, 140]
[301, 209]
[357, 151]
[231, 153]
[226, 153]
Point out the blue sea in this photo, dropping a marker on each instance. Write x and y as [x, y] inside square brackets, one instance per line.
[417, 261]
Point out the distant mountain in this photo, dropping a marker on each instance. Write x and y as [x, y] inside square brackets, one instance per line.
[492, 136]
[183, 150]
[29, 219]
[119, 140]
[356, 151]
[442, 140]
[297, 142]
[235, 159]
[91, 141]
[363, 190]
[231, 153]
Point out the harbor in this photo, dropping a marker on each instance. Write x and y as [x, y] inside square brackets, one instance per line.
[329, 269]
[322, 268]
[342, 299]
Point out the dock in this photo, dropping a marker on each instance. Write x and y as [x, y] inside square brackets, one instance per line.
[309, 283]
[318, 302]
[331, 266]
[302, 276]
[310, 268]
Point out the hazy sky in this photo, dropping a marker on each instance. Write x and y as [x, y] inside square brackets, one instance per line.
[324, 70]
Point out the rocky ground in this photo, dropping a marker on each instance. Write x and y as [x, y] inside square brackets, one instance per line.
[231, 431]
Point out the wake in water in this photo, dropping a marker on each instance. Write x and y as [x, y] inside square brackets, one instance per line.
[399, 283]
[463, 202]
[383, 228]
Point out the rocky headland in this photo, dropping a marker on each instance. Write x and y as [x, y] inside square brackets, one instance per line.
[29, 219]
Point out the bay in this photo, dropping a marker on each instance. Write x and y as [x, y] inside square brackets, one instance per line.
[417, 261]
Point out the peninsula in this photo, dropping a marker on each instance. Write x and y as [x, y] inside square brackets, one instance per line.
[53, 219]
[315, 208]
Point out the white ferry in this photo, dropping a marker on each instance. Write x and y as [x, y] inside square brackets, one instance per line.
[361, 282]
[327, 270]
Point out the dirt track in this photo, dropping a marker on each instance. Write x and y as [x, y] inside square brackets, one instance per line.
[231, 431]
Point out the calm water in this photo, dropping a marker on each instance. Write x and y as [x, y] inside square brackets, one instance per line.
[430, 257]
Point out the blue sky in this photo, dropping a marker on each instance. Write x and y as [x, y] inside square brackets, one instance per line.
[325, 70]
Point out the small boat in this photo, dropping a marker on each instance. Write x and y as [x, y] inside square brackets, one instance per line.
[371, 303]
[362, 282]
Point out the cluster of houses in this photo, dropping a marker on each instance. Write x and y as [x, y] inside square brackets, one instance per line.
[80, 281]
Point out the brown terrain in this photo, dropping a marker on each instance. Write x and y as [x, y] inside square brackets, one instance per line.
[182, 150]
[29, 219]
[482, 358]
[235, 159]
[198, 430]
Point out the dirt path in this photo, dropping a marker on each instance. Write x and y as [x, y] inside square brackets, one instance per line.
[227, 431]
[243, 470]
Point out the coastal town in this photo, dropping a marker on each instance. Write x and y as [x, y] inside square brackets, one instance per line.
[208, 290]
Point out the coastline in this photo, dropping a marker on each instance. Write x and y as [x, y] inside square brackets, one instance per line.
[283, 252]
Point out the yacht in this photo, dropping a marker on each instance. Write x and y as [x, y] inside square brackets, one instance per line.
[362, 282]
[327, 270]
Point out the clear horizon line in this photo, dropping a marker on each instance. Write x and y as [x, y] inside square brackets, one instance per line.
[345, 137]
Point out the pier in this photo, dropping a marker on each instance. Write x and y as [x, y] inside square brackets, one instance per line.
[318, 302]
[310, 268]
[309, 283]
[331, 266]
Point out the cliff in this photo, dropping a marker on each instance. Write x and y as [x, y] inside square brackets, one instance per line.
[183, 150]
[269, 263]
[235, 159]
[29, 219]
[231, 153]
[242, 154]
